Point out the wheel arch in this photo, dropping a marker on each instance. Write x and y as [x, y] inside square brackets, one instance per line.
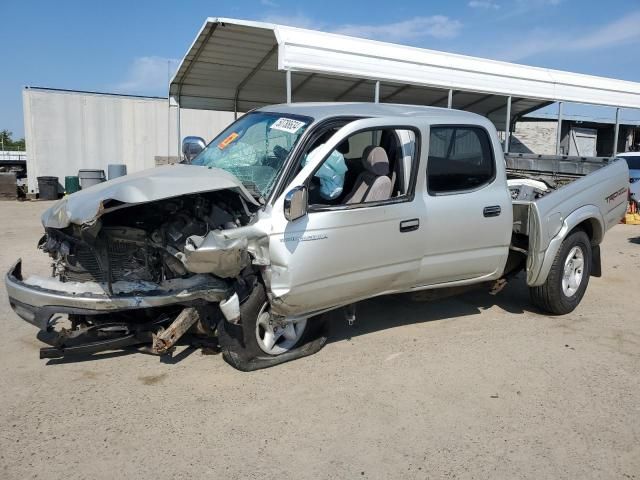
[587, 218]
[592, 227]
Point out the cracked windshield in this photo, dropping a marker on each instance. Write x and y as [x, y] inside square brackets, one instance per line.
[255, 148]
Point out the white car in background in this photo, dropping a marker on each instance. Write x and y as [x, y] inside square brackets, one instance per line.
[633, 162]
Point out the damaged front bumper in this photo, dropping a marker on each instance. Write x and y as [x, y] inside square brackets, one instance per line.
[36, 304]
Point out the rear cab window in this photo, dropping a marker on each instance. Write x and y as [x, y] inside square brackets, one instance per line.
[460, 159]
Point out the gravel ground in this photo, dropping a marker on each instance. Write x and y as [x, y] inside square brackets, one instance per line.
[468, 387]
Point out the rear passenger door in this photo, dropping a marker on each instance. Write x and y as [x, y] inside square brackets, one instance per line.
[467, 211]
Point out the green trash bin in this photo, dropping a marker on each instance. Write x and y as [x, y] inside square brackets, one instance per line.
[71, 184]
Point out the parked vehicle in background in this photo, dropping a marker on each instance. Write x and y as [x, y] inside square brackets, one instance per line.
[295, 210]
[633, 162]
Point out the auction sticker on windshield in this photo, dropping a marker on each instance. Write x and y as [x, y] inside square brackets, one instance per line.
[288, 125]
[225, 143]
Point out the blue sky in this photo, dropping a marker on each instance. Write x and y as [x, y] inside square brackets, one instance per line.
[127, 47]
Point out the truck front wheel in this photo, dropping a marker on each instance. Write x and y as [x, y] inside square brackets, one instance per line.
[262, 340]
[568, 278]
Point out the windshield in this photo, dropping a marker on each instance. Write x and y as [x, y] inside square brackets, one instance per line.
[633, 162]
[255, 148]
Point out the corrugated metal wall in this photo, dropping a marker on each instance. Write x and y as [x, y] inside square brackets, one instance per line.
[68, 131]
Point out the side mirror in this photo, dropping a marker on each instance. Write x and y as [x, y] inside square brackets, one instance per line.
[191, 147]
[295, 203]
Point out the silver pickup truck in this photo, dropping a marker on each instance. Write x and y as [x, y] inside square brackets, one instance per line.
[295, 210]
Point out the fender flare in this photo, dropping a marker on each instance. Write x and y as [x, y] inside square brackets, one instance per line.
[540, 262]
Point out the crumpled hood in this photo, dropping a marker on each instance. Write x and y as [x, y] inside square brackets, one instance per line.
[140, 187]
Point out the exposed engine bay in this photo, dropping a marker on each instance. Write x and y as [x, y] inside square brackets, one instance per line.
[147, 260]
[150, 242]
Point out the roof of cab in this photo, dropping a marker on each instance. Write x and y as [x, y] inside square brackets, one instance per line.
[323, 110]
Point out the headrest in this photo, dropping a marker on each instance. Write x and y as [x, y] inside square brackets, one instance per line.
[374, 160]
[343, 147]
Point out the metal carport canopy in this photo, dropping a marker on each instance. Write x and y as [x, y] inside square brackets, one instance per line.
[240, 65]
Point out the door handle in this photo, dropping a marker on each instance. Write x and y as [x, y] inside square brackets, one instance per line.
[492, 211]
[409, 225]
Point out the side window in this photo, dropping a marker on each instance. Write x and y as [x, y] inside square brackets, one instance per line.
[460, 158]
[369, 166]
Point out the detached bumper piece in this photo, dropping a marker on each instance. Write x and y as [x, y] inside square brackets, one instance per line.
[116, 336]
[89, 340]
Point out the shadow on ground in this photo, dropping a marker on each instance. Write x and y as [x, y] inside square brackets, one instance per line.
[393, 311]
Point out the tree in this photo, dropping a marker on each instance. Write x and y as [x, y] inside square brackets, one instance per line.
[5, 138]
[19, 144]
[7, 143]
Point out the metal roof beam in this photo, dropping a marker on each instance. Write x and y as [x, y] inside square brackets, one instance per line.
[195, 57]
[349, 90]
[397, 91]
[497, 109]
[303, 83]
[251, 74]
[533, 109]
[445, 98]
[476, 102]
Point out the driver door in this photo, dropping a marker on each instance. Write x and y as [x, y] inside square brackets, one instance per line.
[337, 254]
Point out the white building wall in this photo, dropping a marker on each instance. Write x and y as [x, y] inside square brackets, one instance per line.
[203, 123]
[69, 131]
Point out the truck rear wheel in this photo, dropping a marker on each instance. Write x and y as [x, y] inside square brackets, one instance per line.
[260, 341]
[568, 278]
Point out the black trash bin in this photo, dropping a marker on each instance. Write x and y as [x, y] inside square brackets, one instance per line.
[48, 188]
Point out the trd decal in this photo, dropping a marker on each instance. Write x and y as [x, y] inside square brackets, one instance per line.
[615, 195]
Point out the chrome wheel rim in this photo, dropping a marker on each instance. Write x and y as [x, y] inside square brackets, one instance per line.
[573, 272]
[277, 336]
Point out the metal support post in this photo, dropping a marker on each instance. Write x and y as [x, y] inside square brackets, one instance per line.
[507, 126]
[179, 133]
[616, 132]
[559, 132]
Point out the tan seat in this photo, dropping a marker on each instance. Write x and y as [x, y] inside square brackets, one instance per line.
[373, 184]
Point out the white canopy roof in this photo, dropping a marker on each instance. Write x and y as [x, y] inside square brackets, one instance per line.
[240, 65]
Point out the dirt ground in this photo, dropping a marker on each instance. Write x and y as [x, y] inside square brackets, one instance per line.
[468, 387]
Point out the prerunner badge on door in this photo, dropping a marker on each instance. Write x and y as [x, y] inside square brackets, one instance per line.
[288, 125]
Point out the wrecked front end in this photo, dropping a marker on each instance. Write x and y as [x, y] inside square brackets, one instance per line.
[143, 273]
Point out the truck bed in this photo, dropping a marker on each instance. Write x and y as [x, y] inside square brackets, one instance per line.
[551, 193]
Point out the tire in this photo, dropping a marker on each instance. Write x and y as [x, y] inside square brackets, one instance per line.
[561, 294]
[240, 344]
